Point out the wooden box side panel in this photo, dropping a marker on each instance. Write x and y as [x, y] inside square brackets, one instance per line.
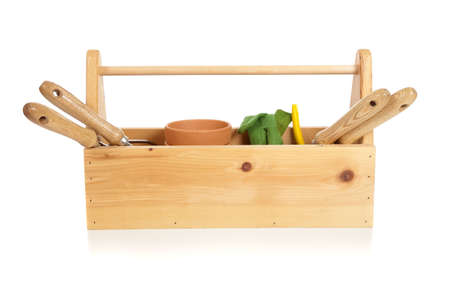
[229, 186]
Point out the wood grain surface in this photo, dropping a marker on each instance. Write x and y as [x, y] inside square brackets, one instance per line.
[63, 99]
[226, 70]
[362, 84]
[95, 95]
[229, 186]
[398, 102]
[52, 120]
[363, 110]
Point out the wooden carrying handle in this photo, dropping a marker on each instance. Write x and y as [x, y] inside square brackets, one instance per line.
[398, 102]
[226, 70]
[363, 110]
[80, 111]
[51, 120]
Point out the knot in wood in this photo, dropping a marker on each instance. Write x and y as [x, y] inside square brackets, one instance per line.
[246, 166]
[347, 175]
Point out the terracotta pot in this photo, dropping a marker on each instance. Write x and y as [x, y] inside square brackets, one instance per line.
[198, 132]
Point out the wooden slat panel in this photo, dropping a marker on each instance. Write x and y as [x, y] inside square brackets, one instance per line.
[362, 84]
[95, 96]
[205, 186]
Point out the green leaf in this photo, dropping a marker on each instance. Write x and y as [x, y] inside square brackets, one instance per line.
[265, 128]
[249, 121]
[283, 120]
[270, 126]
[257, 134]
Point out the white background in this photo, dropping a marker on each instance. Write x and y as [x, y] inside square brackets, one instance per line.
[46, 251]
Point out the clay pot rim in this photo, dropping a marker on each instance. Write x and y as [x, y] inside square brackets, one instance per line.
[225, 127]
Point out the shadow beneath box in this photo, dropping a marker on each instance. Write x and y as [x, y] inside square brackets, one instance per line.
[264, 240]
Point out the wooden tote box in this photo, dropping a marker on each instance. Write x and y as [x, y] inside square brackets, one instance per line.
[237, 185]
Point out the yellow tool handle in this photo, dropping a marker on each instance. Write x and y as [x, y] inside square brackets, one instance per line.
[296, 126]
[51, 120]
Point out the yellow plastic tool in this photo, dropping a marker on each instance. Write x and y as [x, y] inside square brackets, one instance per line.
[296, 126]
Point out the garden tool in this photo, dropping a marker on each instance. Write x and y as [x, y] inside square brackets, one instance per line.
[360, 112]
[80, 111]
[398, 102]
[52, 120]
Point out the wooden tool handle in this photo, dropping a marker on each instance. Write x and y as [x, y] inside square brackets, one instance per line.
[51, 120]
[398, 102]
[80, 111]
[358, 113]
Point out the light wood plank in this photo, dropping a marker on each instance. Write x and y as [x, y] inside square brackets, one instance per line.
[229, 186]
[226, 70]
[95, 95]
[362, 84]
